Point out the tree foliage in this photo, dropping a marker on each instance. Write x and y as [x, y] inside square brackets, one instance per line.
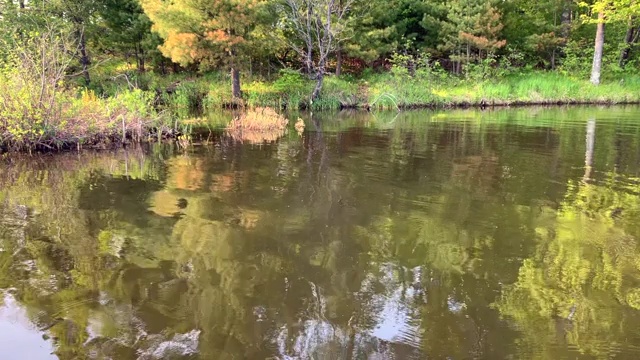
[318, 37]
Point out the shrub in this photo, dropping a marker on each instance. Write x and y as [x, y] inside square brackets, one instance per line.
[31, 101]
[37, 111]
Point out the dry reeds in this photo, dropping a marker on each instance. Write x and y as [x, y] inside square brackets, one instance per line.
[258, 126]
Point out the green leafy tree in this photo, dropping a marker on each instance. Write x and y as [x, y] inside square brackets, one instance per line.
[540, 28]
[81, 15]
[609, 12]
[380, 28]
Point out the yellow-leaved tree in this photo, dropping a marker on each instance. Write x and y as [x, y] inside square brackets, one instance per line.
[205, 32]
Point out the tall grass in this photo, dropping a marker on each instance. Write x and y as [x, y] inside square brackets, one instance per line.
[387, 91]
[258, 126]
[428, 86]
[393, 91]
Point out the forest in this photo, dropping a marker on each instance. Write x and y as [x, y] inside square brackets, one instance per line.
[75, 72]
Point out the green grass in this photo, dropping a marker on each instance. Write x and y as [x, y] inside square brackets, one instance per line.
[520, 89]
[182, 94]
[122, 103]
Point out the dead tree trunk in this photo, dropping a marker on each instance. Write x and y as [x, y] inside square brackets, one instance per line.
[630, 38]
[318, 25]
[235, 83]
[84, 57]
[236, 91]
[318, 88]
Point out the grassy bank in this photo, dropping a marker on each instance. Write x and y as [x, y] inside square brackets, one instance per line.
[33, 118]
[390, 90]
[126, 106]
[537, 88]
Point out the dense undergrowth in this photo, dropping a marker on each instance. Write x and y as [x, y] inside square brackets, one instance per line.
[41, 111]
[396, 89]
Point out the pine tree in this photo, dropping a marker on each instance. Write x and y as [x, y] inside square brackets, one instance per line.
[205, 32]
[472, 26]
[128, 29]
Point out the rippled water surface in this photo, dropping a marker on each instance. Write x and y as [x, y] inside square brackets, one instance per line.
[507, 234]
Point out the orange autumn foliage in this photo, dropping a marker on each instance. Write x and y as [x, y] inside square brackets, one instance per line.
[484, 35]
[203, 31]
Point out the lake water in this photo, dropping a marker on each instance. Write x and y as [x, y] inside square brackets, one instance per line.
[506, 234]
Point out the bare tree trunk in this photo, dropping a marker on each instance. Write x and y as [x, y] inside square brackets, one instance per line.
[84, 58]
[566, 19]
[235, 83]
[140, 58]
[597, 54]
[318, 87]
[309, 60]
[629, 39]
[339, 61]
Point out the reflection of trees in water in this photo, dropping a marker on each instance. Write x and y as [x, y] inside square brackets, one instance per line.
[248, 254]
[580, 285]
[332, 245]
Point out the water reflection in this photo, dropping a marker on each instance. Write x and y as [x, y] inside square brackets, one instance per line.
[421, 235]
[20, 335]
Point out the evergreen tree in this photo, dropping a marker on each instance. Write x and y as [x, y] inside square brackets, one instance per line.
[471, 26]
[205, 32]
[128, 30]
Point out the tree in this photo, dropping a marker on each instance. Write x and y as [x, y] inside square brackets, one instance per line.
[484, 35]
[80, 14]
[317, 27]
[205, 32]
[630, 38]
[470, 25]
[596, 69]
[629, 11]
[612, 11]
[379, 28]
[128, 29]
[539, 27]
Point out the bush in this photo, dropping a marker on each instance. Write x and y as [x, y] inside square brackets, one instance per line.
[37, 111]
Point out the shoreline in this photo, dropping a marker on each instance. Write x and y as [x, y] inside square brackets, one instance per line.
[198, 132]
[485, 105]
